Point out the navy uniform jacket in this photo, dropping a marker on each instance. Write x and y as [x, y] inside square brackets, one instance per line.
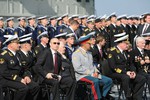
[45, 65]
[9, 31]
[61, 28]
[123, 29]
[29, 29]
[2, 31]
[40, 29]
[51, 31]
[132, 33]
[87, 31]
[69, 51]
[112, 30]
[39, 49]
[10, 66]
[20, 31]
[26, 63]
[118, 63]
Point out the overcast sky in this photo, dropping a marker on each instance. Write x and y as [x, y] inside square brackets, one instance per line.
[129, 7]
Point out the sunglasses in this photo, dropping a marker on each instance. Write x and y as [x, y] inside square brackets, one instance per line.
[56, 43]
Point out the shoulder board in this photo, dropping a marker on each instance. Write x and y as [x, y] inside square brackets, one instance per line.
[77, 50]
[4, 52]
[86, 29]
[112, 49]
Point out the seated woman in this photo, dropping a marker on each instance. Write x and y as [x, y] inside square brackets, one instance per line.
[67, 73]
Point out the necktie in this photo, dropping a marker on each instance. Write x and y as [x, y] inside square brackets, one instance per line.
[142, 52]
[27, 55]
[55, 64]
[124, 55]
[101, 53]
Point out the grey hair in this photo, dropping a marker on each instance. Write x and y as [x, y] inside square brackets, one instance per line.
[139, 39]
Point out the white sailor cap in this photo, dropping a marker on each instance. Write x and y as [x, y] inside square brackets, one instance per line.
[21, 18]
[120, 39]
[124, 16]
[70, 35]
[31, 17]
[59, 18]
[120, 34]
[25, 40]
[112, 15]
[25, 36]
[90, 20]
[1, 18]
[10, 38]
[43, 34]
[103, 17]
[43, 17]
[91, 17]
[53, 17]
[10, 18]
[146, 34]
[75, 16]
[61, 35]
[64, 15]
[82, 17]
[145, 14]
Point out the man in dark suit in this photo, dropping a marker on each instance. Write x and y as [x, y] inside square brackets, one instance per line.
[98, 52]
[141, 59]
[74, 24]
[145, 28]
[124, 70]
[48, 67]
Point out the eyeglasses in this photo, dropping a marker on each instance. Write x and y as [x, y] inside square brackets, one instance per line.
[56, 43]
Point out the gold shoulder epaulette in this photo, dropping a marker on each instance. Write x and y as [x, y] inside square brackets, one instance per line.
[86, 29]
[77, 50]
[112, 49]
[4, 52]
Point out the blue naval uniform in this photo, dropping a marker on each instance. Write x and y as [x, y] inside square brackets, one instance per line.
[31, 29]
[61, 28]
[51, 31]
[40, 29]
[9, 31]
[20, 31]
[69, 52]
[2, 31]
